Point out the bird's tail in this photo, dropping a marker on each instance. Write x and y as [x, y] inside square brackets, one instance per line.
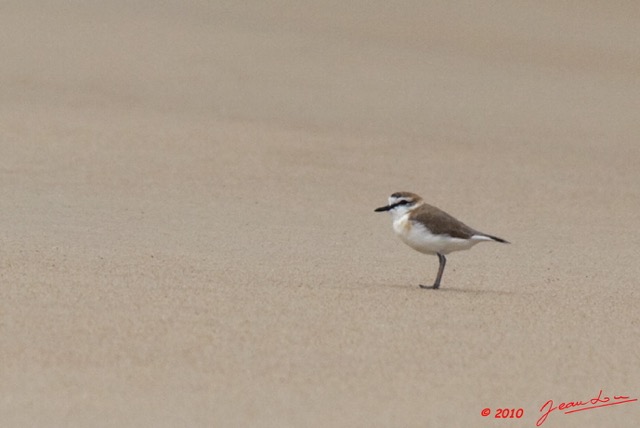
[495, 238]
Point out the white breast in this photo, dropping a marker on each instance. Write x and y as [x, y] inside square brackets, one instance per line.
[420, 238]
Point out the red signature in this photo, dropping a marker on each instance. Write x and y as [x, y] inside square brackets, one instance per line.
[578, 406]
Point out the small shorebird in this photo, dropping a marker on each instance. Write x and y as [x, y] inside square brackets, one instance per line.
[430, 230]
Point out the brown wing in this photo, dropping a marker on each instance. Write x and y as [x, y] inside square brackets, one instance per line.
[441, 223]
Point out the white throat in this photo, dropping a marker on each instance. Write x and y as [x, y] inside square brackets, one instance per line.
[403, 210]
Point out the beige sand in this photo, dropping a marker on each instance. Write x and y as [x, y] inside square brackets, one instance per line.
[187, 225]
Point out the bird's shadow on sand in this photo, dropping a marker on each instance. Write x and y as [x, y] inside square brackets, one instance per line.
[443, 290]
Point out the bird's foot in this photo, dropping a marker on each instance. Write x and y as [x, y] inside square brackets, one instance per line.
[429, 287]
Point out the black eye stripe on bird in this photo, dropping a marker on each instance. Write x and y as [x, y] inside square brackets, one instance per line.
[399, 203]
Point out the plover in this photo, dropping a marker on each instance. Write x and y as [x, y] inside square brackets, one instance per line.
[430, 230]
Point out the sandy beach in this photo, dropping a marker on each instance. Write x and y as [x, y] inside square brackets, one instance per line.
[187, 235]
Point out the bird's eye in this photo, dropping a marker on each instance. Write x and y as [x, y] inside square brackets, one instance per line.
[403, 202]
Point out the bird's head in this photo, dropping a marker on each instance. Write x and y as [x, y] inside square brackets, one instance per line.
[400, 203]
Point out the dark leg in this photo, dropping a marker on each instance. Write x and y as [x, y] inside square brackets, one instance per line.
[436, 284]
[443, 261]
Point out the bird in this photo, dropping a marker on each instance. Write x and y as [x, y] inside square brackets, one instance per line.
[430, 230]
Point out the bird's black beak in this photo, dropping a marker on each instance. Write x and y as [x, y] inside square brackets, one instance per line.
[381, 209]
